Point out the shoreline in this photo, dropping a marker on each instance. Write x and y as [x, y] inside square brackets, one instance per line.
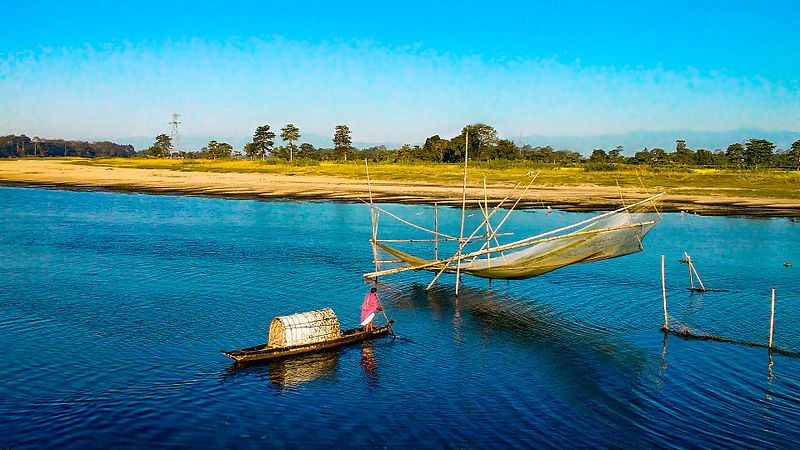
[62, 174]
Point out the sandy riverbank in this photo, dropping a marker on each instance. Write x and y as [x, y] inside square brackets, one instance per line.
[63, 173]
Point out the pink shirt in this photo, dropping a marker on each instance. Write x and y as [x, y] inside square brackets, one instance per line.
[369, 305]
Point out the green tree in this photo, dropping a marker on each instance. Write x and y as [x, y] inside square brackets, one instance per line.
[506, 149]
[342, 142]
[218, 150]
[704, 157]
[598, 156]
[263, 140]
[290, 133]
[307, 151]
[758, 152]
[793, 155]
[735, 154]
[251, 150]
[482, 139]
[161, 148]
[615, 156]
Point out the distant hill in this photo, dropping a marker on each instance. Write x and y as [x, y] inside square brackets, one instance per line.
[637, 140]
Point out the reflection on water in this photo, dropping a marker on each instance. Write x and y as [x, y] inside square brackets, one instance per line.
[113, 308]
[291, 371]
[368, 363]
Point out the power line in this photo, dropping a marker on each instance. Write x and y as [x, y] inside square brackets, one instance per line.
[174, 136]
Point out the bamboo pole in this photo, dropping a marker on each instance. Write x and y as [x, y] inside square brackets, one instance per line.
[664, 295]
[691, 266]
[771, 319]
[436, 229]
[373, 218]
[502, 248]
[591, 219]
[463, 207]
[488, 227]
[433, 240]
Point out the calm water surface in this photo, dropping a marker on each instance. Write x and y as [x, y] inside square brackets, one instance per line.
[113, 308]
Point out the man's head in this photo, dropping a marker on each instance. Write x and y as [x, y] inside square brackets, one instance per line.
[374, 290]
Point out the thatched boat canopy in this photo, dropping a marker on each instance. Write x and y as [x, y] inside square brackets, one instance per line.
[304, 328]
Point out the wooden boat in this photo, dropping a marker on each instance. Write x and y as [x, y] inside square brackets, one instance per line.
[264, 352]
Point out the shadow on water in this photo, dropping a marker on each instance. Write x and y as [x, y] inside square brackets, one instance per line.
[596, 368]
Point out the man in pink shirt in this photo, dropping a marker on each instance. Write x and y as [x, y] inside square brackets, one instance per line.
[368, 308]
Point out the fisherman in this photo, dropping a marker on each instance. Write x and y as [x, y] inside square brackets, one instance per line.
[368, 308]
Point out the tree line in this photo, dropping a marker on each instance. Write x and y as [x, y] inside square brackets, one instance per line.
[12, 146]
[484, 145]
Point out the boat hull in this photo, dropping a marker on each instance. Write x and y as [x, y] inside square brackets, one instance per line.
[262, 352]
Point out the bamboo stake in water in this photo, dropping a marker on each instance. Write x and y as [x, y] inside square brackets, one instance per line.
[691, 266]
[664, 295]
[771, 318]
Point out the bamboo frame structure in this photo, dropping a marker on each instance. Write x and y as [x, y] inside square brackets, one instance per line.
[511, 246]
[464, 243]
[441, 265]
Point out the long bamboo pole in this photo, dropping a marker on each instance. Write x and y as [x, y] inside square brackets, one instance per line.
[503, 248]
[372, 216]
[463, 207]
[436, 229]
[591, 219]
[664, 295]
[771, 318]
[689, 266]
[434, 240]
[488, 226]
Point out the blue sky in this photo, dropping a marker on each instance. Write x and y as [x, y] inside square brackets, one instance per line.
[398, 73]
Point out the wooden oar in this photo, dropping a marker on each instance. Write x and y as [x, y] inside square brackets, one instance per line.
[383, 310]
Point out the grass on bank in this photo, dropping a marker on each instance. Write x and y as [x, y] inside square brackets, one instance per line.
[763, 183]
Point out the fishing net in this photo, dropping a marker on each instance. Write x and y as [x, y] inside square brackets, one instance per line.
[606, 237]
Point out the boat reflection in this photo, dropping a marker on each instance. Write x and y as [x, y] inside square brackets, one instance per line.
[289, 372]
[301, 369]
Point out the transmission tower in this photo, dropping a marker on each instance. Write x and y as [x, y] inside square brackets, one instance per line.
[175, 138]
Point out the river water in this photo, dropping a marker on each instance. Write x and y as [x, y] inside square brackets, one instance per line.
[113, 308]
